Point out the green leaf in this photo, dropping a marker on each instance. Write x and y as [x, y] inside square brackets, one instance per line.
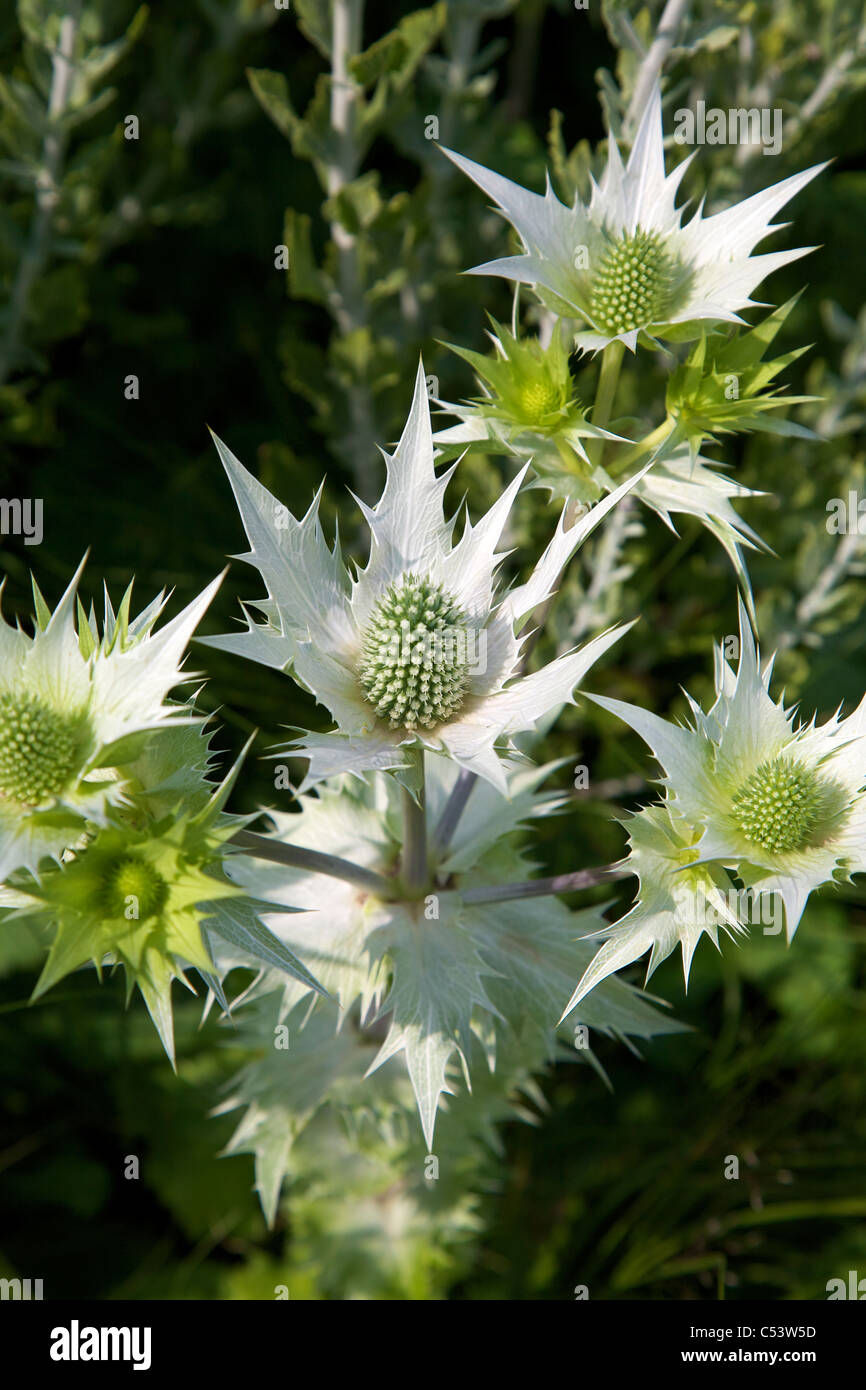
[312, 136]
[236, 921]
[357, 205]
[314, 22]
[271, 90]
[399, 52]
[305, 280]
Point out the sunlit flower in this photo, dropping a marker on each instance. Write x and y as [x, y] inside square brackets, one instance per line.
[680, 899]
[625, 264]
[781, 805]
[151, 893]
[527, 408]
[418, 649]
[72, 703]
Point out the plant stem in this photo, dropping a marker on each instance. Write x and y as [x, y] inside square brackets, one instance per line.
[664, 433]
[544, 887]
[607, 383]
[610, 366]
[47, 194]
[454, 808]
[416, 873]
[265, 847]
[348, 305]
[611, 361]
[654, 59]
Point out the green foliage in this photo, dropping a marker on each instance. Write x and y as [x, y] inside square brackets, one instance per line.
[157, 257]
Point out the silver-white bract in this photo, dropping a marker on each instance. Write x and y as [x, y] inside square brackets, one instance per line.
[710, 271]
[471, 987]
[316, 613]
[746, 757]
[107, 687]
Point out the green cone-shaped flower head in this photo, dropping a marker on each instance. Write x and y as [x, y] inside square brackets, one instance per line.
[137, 898]
[415, 661]
[74, 703]
[624, 263]
[421, 647]
[527, 407]
[780, 804]
[42, 749]
[637, 282]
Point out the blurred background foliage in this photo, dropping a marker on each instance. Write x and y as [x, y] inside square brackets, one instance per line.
[159, 257]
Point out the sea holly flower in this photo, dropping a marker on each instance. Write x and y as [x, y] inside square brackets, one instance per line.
[524, 377]
[152, 895]
[780, 804]
[453, 982]
[73, 702]
[680, 900]
[418, 649]
[625, 264]
[528, 408]
[725, 386]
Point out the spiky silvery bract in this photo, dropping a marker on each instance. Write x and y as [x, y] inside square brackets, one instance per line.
[74, 704]
[460, 987]
[421, 648]
[624, 263]
[748, 790]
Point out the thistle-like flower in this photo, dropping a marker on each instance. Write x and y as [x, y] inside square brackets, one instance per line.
[726, 387]
[624, 263]
[152, 895]
[417, 649]
[680, 900]
[139, 898]
[779, 804]
[72, 702]
[528, 408]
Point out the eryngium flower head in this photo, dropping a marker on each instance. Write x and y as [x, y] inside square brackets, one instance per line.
[73, 702]
[624, 263]
[527, 407]
[725, 386]
[418, 648]
[680, 899]
[781, 804]
[524, 378]
[151, 894]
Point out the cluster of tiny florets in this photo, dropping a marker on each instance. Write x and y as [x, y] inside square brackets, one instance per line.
[779, 806]
[537, 399]
[631, 287]
[39, 749]
[414, 666]
[133, 888]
